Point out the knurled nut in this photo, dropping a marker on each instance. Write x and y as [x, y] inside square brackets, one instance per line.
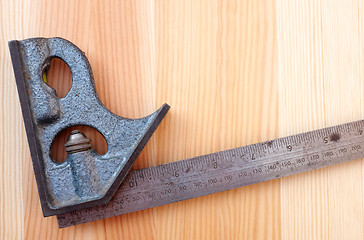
[79, 145]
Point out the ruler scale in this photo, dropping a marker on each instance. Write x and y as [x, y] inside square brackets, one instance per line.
[225, 170]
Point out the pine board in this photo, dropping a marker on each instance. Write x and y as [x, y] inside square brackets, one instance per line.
[235, 73]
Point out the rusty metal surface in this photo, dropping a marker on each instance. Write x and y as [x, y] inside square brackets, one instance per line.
[221, 171]
[85, 179]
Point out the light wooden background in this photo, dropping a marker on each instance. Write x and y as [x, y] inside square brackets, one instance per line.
[235, 73]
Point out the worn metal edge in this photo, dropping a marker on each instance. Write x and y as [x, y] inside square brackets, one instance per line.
[29, 125]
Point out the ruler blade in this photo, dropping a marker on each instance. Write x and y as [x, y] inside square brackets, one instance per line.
[225, 170]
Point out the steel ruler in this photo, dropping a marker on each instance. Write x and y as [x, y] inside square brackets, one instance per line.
[225, 170]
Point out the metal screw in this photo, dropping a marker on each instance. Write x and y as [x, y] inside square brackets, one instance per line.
[77, 142]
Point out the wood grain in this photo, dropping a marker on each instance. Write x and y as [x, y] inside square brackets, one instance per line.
[320, 68]
[235, 73]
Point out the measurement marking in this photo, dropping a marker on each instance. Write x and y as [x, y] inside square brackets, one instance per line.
[226, 170]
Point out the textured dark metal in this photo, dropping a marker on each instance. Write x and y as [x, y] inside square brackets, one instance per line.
[221, 171]
[45, 115]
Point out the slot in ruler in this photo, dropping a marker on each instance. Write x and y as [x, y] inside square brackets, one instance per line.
[225, 170]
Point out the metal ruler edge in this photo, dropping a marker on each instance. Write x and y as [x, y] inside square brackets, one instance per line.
[225, 170]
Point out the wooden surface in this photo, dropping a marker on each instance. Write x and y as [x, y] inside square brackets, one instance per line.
[234, 73]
